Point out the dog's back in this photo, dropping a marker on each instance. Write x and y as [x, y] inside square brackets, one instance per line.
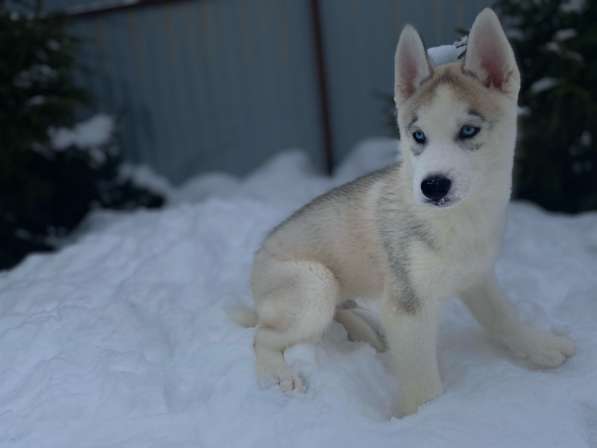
[339, 229]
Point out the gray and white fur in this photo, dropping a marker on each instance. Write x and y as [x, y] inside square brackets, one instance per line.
[411, 234]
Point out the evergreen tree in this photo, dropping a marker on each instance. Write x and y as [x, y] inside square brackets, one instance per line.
[46, 193]
[555, 42]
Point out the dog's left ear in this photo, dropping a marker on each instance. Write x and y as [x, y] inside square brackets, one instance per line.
[489, 56]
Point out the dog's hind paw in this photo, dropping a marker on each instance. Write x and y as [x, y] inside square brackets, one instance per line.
[542, 348]
[291, 383]
[283, 377]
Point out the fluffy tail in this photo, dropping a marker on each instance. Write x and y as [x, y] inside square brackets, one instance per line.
[359, 328]
[243, 316]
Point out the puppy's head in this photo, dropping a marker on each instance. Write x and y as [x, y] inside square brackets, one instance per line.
[457, 121]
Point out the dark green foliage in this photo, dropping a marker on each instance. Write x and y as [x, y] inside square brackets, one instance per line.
[557, 154]
[46, 193]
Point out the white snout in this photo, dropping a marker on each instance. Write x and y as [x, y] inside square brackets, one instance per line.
[442, 162]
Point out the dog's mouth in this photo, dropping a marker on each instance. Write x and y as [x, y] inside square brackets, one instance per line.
[444, 202]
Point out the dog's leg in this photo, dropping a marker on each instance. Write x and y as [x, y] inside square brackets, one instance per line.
[358, 328]
[493, 311]
[411, 336]
[295, 302]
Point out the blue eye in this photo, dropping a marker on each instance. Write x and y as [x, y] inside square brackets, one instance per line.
[419, 137]
[467, 132]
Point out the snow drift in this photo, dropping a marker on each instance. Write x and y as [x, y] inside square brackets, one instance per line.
[122, 338]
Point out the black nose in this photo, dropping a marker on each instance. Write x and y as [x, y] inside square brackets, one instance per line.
[436, 187]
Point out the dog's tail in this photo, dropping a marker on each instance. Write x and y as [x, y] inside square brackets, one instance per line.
[359, 327]
[243, 316]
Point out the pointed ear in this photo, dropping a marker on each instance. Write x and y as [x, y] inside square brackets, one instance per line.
[489, 56]
[411, 64]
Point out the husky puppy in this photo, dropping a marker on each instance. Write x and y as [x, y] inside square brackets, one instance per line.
[411, 234]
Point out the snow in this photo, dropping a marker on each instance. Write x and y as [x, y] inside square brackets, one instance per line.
[38, 72]
[122, 338]
[565, 34]
[558, 45]
[572, 6]
[543, 84]
[36, 100]
[445, 54]
[89, 134]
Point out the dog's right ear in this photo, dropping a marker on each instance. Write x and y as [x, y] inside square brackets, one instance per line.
[411, 65]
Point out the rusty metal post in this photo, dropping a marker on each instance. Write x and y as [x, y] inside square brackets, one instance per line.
[324, 102]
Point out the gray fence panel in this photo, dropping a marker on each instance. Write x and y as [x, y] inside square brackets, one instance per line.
[224, 84]
[206, 85]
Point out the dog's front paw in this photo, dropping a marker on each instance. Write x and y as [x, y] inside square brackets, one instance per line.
[415, 394]
[541, 348]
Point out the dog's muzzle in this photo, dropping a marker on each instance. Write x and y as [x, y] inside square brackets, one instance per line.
[436, 188]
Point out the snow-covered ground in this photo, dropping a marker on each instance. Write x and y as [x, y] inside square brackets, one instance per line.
[122, 338]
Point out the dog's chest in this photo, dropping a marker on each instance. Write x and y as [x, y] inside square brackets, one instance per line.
[464, 249]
